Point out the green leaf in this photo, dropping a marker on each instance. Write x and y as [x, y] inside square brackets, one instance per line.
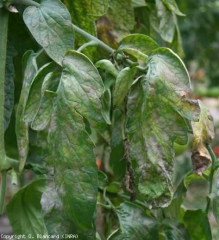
[30, 70]
[156, 118]
[197, 225]
[137, 45]
[83, 86]
[121, 14]
[167, 23]
[124, 81]
[24, 210]
[172, 6]
[176, 44]
[106, 105]
[35, 93]
[57, 36]
[44, 112]
[49, 87]
[56, 220]
[72, 150]
[173, 230]
[107, 66]
[134, 224]
[138, 3]
[36, 168]
[102, 179]
[203, 133]
[215, 200]
[117, 146]
[114, 187]
[9, 84]
[97, 8]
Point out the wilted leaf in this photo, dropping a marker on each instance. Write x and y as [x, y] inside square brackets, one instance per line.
[134, 224]
[106, 105]
[124, 81]
[56, 220]
[83, 86]
[156, 114]
[117, 146]
[9, 85]
[57, 35]
[137, 45]
[172, 6]
[43, 114]
[107, 66]
[167, 24]
[30, 70]
[197, 225]
[203, 132]
[24, 210]
[35, 94]
[71, 147]
[42, 118]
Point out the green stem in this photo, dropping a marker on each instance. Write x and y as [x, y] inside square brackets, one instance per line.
[23, 2]
[89, 37]
[88, 44]
[211, 176]
[4, 15]
[3, 190]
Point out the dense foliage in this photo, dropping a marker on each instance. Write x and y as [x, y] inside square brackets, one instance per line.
[101, 98]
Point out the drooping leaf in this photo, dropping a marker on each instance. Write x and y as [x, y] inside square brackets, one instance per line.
[71, 148]
[137, 45]
[9, 85]
[117, 146]
[83, 86]
[19, 36]
[167, 24]
[197, 225]
[107, 66]
[48, 91]
[176, 44]
[156, 118]
[134, 224]
[124, 81]
[43, 114]
[172, 6]
[215, 200]
[24, 210]
[106, 105]
[57, 35]
[35, 93]
[203, 132]
[30, 70]
[56, 220]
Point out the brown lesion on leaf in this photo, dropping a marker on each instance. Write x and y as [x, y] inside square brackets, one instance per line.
[105, 32]
[129, 176]
[203, 132]
[200, 159]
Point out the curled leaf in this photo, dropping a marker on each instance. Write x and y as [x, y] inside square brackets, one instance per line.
[203, 132]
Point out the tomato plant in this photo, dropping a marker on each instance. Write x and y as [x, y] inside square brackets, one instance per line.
[80, 101]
